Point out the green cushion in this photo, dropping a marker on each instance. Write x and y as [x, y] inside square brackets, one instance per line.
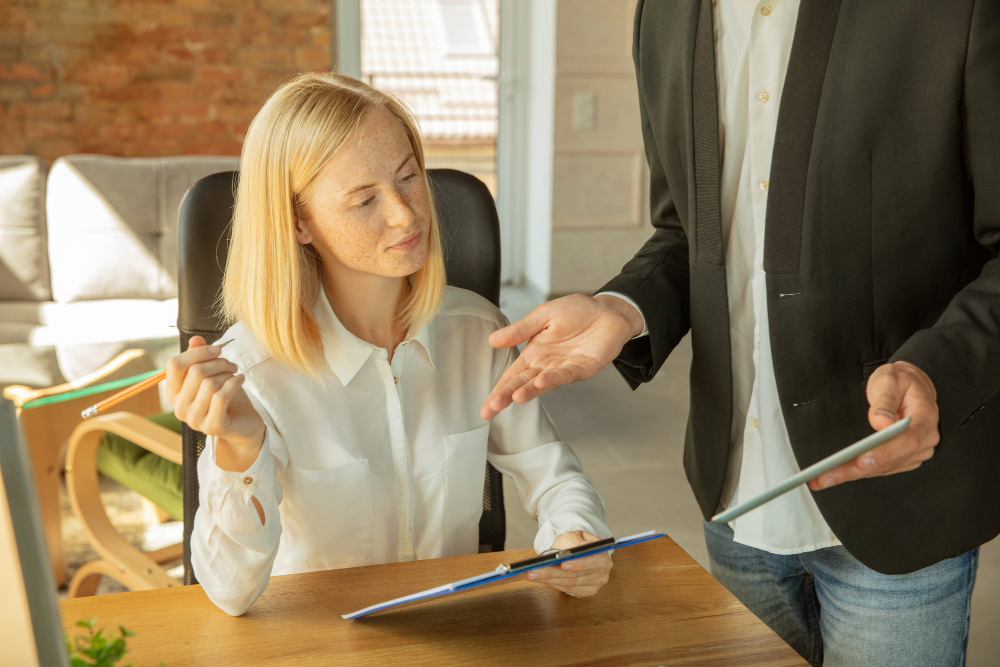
[144, 472]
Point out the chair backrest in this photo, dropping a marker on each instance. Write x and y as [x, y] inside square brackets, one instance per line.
[470, 233]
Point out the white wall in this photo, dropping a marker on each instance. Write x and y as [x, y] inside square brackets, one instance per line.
[600, 206]
[538, 151]
[579, 189]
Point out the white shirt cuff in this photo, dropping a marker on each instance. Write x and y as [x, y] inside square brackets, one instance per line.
[645, 329]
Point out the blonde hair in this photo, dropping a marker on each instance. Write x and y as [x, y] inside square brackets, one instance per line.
[271, 281]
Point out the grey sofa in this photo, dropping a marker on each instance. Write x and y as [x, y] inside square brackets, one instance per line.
[88, 261]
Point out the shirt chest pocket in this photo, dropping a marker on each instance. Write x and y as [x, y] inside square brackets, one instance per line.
[327, 515]
[465, 472]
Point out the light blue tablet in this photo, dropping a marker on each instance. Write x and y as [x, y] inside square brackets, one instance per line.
[816, 469]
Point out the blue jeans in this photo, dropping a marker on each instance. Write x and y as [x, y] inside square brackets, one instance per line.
[839, 613]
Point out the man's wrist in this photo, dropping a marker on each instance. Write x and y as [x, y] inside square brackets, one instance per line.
[631, 314]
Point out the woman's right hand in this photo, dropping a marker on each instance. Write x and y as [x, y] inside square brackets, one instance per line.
[208, 396]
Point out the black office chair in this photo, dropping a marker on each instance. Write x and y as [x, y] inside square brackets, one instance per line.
[470, 234]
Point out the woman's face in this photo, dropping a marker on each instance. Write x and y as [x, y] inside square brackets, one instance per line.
[370, 211]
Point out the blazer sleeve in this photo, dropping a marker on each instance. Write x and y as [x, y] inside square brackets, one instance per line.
[961, 352]
[657, 279]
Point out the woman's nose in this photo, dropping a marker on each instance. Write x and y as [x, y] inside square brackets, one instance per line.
[398, 213]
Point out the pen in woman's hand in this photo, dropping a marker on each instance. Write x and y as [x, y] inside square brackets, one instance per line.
[127, 393]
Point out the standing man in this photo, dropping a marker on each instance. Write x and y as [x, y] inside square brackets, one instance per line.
[825, 192]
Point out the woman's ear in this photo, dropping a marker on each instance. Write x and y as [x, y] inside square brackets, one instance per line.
[302, 233]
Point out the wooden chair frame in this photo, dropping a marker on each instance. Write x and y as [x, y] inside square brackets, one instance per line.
[46, 429]
[133, 568]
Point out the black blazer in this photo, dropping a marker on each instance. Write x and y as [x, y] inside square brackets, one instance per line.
[881, 240]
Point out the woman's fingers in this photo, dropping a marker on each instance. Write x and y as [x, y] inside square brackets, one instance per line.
[197, 374]
[580, 586]
[179, 364]
[216, 418]
[199, 406]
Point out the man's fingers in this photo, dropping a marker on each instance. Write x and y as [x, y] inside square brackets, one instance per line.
[511, 380]
[904, 452]
[522, 330]
[885, 396]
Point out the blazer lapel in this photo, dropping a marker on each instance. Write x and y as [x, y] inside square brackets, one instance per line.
[793, 138]
[705, 108]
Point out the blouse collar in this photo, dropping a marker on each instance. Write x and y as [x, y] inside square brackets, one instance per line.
[346, 353]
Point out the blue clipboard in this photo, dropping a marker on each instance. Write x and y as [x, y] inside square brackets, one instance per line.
[508, 570]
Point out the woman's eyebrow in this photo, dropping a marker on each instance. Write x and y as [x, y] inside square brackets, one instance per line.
[371, 185]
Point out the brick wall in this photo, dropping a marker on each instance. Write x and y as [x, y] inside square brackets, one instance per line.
[147, 77]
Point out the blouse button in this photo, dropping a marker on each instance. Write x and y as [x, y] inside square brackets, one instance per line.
[396, 380]
[248, 480]
[765, 10]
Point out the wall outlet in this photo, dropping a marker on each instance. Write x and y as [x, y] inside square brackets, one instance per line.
[584, 111]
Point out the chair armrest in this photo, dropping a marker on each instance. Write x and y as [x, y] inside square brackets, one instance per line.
[152, 437]
[84, 492]
[129, 362]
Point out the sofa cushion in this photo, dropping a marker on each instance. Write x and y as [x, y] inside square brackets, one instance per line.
[112, 224]
[24, 264]
[86, 322]
[32, 366]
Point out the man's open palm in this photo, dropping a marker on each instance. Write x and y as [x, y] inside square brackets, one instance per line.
[569, 339]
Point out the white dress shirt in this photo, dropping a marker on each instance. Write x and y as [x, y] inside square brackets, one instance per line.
[753, 41]
[379, 461]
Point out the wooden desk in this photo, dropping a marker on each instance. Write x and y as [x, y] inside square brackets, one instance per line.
[660, 608]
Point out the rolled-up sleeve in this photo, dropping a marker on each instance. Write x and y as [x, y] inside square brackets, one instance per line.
[232, 552]
[547, 475]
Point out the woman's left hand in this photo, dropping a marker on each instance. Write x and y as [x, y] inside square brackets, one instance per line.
[582, 577]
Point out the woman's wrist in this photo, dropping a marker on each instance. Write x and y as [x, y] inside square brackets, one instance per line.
[238, 454]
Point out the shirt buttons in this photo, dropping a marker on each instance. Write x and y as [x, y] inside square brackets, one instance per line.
[396, 380]
[763, 97]
[764, 184]
[765, 10]
[755, 422]
[248, 480]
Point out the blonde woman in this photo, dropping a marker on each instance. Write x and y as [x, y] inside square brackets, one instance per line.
[343, 412]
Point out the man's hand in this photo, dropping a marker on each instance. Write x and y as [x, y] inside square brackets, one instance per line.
[569, 339]
[580, 578]
[895, 390]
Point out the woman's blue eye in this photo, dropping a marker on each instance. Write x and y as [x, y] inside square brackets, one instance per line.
[366, 202]
[410, 177]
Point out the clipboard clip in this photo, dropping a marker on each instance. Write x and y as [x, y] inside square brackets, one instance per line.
[553, 555]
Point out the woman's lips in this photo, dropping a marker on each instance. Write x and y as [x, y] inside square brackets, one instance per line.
[408, 243]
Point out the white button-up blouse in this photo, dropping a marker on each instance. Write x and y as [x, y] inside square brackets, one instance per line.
[379, 462]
